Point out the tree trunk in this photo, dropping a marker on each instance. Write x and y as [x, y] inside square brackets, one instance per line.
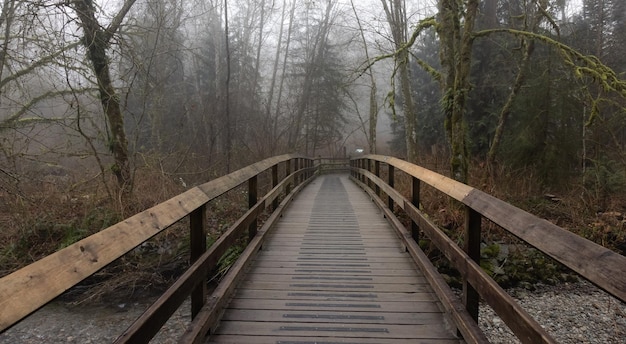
[373, 111]
[96, 40]
[227, 117]
[269, 123]
[456, 57]
[528, 48]
[311, 69]
[396, 17]
[283, 74]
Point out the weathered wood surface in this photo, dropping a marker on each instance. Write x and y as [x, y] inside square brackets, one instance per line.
[527, 329]
[601, 266]
[321, 276]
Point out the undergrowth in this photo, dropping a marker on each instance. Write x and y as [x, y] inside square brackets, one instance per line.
[56, 215]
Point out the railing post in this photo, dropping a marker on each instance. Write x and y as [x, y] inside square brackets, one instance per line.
[287, 173]
[197, 247]
[274, 183]
[391, 182]
[472, 248]
[377, 173]
[362, 166]
[252, 199]
[296, 168]
[319, 165]
[369, 169]
[415, 200]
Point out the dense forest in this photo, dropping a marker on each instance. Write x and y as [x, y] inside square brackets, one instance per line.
[107, 107]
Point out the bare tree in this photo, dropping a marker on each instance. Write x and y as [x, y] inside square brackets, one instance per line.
[97, 41]
[373, 103]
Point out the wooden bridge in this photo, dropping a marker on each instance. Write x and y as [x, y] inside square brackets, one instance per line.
[330, 264]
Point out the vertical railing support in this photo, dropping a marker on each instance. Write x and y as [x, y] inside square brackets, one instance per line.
[296, 168]
[377, 173]
[391, 181]
[351, 163]
[252, 199]
[309, 164]
[287, 173]
[197, 247]
[369, 169]
[415, 200]
[472, 248]
[362, 161]
[274, 183]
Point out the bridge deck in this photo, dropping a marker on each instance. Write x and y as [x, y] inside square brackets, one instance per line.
[333, 271]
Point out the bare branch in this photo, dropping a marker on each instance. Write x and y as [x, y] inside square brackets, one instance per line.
[16, 118]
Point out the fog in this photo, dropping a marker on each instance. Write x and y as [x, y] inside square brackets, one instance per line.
[292, 76]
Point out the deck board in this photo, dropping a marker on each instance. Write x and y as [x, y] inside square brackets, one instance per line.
[333, 271]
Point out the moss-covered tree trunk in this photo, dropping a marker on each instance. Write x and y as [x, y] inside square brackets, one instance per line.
[395, 12]
[456, 56]
[96, 40]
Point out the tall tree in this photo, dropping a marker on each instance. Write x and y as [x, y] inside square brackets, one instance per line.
[395, 12]
[152, 65]
[271, 123]
[97, 41]
[455, 29]
[227, 114]
[532, 20]
[373, 100]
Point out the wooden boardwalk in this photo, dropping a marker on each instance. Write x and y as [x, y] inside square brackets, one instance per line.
[333, 271]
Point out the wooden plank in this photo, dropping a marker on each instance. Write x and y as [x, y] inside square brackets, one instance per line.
[345, 279]
[400, 288]
[237, 339]
[329, 260]
[400, 264]
[524, 326]
[148, 325]
[601, 266]
[349, 295]
[209, 314]
[31, 287]
[333, 270]
[27, 289]
[459, 316]
[447, 185]
[346, 317]
[315, 287]
[315, 330]
[338, 254]
[337, 305]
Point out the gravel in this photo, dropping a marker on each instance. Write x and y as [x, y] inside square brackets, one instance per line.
[571, 313]
[60, 323]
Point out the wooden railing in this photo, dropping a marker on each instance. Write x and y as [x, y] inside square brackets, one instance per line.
[332, 165]
[599, 265]
[25, 290]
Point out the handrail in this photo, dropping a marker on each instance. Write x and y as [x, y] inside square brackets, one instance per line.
[26, 290]
[326, 165]
[597, 264]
